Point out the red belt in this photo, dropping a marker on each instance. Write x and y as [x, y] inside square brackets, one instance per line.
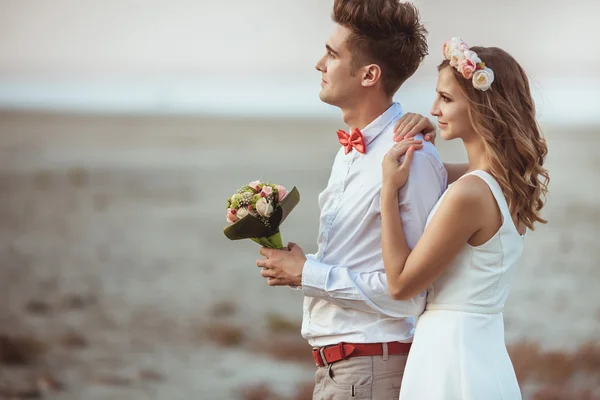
[342, 351]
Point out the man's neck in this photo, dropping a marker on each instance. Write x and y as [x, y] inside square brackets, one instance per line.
[362, 114]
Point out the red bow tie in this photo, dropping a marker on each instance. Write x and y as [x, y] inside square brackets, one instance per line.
[355, 140]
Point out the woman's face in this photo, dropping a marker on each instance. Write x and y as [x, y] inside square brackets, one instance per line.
[451, 107]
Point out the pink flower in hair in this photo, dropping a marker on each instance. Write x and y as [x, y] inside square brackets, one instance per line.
[446, 48]
[466, 67]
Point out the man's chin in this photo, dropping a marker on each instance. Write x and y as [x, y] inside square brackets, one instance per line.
[325, 98]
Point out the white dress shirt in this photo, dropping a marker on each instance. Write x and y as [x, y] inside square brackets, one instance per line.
[344, 283]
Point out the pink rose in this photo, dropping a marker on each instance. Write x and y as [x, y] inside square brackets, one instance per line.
[466, 67]
[266, 191]
[231, 215]
[281, 192]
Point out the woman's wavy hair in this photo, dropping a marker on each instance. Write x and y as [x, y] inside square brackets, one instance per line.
[504, 116]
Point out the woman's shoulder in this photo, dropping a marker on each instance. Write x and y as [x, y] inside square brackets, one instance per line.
[468, 188]
[469, 193]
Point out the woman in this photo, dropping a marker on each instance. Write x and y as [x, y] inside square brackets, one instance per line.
[475, 233]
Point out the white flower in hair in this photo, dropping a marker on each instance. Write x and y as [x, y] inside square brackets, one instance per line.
[483, 78]
[471, 55]
[468, 63]
[453, 45]
[456, 57]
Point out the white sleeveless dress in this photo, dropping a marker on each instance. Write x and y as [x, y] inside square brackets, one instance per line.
[459, 352]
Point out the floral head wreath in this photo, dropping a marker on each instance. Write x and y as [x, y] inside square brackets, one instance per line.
[468, 63]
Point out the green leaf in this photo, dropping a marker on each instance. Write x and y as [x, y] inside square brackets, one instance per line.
[276, 241]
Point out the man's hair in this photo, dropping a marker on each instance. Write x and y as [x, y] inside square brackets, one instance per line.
[383, 32]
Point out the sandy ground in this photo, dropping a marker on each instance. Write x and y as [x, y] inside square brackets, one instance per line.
[112, 252]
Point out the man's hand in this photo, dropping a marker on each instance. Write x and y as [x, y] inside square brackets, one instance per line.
[411, 124]
[282, 267]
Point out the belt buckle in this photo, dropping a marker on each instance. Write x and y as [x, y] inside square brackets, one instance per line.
[318, 355]
[322, 355]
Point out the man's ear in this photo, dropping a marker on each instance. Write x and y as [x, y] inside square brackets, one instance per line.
[371, 75]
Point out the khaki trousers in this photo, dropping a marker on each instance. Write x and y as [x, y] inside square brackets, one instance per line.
[373, 378]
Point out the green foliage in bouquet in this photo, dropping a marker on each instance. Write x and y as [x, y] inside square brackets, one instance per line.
[256, 212]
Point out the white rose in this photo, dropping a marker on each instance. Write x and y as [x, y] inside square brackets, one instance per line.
[471, 55]
[483, 78]
[254, 184]
[242, 212]
[456, 57]
[452, 45]
[264, 208]
[449, 47]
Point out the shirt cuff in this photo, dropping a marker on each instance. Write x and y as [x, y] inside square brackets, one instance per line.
[314, 278]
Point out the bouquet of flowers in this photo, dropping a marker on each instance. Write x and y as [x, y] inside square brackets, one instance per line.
[257, 210]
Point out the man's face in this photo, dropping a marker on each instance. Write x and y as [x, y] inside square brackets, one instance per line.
[338, 85]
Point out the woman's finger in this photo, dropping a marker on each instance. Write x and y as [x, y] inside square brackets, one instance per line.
[402, 147]
[408, 158]
[408, 142]
[418, 127]
[410, 129]
[406, 118]
[401, 121]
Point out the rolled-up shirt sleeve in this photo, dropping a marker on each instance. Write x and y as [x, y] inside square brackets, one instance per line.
[368, 291]
[365, 291]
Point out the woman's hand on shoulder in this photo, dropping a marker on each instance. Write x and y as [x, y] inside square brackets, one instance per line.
[411, 124]
[395, 169]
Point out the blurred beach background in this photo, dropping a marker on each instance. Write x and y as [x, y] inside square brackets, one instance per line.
[124, 127]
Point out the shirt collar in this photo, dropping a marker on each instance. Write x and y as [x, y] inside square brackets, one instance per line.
[375, 128]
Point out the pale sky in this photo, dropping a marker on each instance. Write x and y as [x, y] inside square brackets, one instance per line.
[228, 45]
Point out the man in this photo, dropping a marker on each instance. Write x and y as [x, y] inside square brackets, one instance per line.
[360, 335]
